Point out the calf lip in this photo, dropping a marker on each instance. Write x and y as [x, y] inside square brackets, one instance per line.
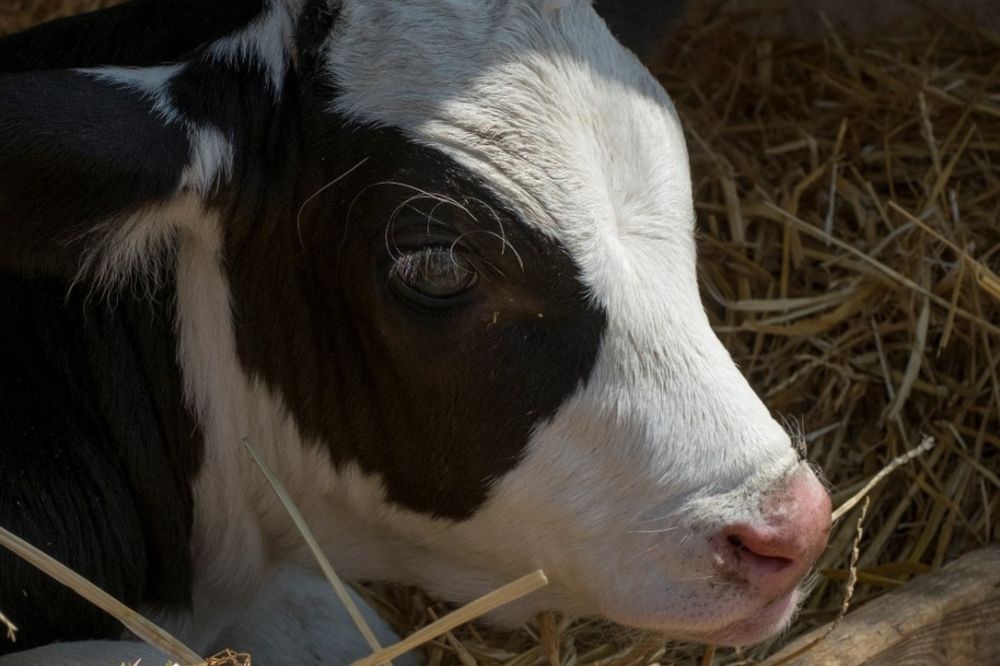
[758, 626]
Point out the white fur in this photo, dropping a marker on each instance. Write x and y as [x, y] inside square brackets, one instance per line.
[133, 245]
[211, 153]
[211, 160]
[622, 487]
[241, 533]
[298, 619]
[265, 42]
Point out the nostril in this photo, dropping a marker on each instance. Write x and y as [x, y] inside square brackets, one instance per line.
[763, 558]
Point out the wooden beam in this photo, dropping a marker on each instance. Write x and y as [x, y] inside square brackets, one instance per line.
[950, 616]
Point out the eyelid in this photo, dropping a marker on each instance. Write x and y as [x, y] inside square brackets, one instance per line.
[413, 274]
[413, 231]
[413, 257]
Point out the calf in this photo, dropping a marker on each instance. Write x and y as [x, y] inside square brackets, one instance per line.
[434, 259]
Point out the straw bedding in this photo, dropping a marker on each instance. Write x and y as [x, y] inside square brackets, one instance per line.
[848, 198]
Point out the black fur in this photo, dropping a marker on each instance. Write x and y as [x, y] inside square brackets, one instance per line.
[96, 454]
[97, 448]
[137, 34]
[74, 151]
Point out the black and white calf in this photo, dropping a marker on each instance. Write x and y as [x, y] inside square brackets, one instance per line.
[434, 258]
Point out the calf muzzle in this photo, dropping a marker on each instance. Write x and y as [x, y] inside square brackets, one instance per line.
[774, 553]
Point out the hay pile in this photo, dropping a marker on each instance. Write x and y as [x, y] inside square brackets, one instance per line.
[849, 206]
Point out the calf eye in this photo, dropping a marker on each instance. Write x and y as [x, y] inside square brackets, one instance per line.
[432, 274]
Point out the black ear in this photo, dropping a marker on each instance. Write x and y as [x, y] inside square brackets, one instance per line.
[80, 152]
[640, 25]
[138, 33]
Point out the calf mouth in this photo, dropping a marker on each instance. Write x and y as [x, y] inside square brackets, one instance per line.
[775, 616]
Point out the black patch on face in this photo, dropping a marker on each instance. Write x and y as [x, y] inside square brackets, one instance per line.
[97, 455]
[439, 402]
[136, 34]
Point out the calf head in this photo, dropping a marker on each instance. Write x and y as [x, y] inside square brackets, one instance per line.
[435, 259]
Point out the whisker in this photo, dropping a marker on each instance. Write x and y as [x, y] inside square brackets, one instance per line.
[503, 240]
[395, 215]
[659, 518]
[661, 531]
[298, 216]
[496, 217]
[382, 183]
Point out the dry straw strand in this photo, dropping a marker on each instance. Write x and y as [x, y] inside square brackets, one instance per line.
[464, 656]
[229, 658]
[926, 445]
[481, 606]
[133, 621]
[338, 586]
[852, 580]
[9, 627]
[882, 267]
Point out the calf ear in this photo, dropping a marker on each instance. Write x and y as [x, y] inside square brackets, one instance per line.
[639, 25]
[139, 33]
[82, 152]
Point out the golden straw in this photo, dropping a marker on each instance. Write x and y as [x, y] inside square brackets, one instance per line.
[324, 563]
[133, 621]
[924, 447]
[504, 595]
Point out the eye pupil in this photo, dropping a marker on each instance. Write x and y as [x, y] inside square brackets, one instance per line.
[435, 272]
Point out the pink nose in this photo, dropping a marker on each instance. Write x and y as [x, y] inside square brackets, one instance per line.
[775, 553]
